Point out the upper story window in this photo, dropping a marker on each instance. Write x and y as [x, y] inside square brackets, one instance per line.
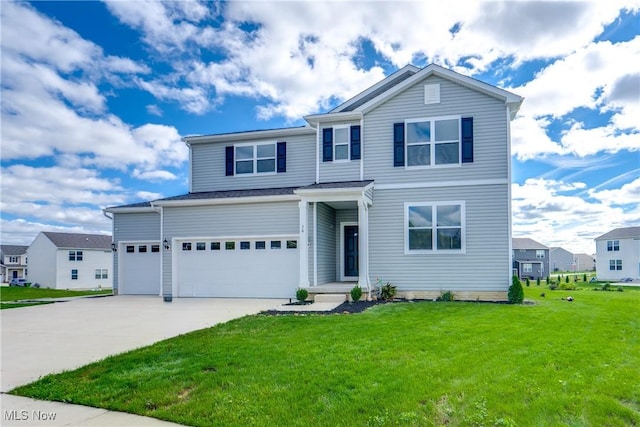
[14, 259]
[437, 141]
[434, 227]
[613, 245]
[540, 253]
[75, 255]
[256, 158]
[341, 143]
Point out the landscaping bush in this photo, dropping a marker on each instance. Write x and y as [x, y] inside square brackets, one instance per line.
[356, 293]
[516, 293]
[538, 281]
[446, 296]
[566, 279]
[548, 280]
[553, 286]
[567, 286]
[606, 287]
[527, 282]
[301, 294]
[584, 277]
[620, 289]
[387, 291]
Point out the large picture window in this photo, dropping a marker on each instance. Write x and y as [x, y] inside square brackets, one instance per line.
[432, 142]
[434, 227]
[255, 159]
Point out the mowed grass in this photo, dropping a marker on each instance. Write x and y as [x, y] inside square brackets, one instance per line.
[17, 293]
[424, 363]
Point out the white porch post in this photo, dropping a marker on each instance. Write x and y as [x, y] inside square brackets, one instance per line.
[363, 245]
[303, 247]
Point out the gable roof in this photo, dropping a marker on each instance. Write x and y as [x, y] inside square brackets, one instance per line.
[13, 249]
[526, 243]
[621, 233]
[79, 241]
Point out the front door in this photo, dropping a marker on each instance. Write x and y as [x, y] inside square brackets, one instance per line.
[15, 274]
[351, 251]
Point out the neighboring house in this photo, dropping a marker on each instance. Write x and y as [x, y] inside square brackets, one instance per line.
[561, 260]
[407, 182]
[530, 258]
[618, 254]
[584, 262]
[13, 262]
[71, 261]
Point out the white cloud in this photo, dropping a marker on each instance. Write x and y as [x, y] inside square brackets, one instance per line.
[22, 232]
[154, 109]
[148, 195]
[154, 176]
[628, 194]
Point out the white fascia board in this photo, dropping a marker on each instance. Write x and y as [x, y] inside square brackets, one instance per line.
[315, 119]
[130, 210]
[512, 99]
[335, 194]
[249, 136]
[227, 201]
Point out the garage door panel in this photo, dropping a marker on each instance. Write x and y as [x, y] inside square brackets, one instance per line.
[268, 273]
[140, 269]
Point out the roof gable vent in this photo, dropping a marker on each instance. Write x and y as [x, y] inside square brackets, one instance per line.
[432, 93]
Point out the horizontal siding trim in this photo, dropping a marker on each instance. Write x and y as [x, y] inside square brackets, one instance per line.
[229, 201]
[240, 237]
[462, 183]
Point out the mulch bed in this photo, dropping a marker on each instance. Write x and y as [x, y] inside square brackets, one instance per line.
[344, 308]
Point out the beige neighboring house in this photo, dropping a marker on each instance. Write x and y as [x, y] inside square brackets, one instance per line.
[584, 262]
[13, 262]
[71, 261]
[618, 254]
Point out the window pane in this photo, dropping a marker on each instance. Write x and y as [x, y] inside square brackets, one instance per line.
[342, 152]
[244, 152]
[447, 153]
[449, 238]
[418, 155]
[420, 216]
[79, 256]
[266, 165]
[276, 244]
[266, 150]
[229, 245]
[186, 246]
[448, 215]
[155, 248]
[215, 246]
[105, 273]
[245, 245]
[244, 167]
[98, 274]
[142, 248]
[260, 244]
[72, 255]
[292, 244]
[201, 246]
[418, 132]
[341, 135]
[130, 249]
[420, 239]
[447, 130]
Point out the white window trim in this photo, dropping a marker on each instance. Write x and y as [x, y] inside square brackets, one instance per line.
[435, 250]
[256, 158]
[348, 144]
[432, 143]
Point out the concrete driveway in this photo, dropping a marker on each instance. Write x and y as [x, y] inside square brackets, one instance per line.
[44, 339]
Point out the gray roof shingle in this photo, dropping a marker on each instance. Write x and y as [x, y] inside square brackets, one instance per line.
[526, 243]
[621, 233]
[79, 241]
[13, 249]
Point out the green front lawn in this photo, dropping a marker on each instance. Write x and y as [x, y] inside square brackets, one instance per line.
[18, 293]
[423, 363]
[7, 305]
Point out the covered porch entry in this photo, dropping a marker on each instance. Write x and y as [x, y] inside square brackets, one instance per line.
[334, 222]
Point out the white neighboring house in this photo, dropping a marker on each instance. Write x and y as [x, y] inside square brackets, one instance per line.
[71, 261]
[618, 254]
[13, 262]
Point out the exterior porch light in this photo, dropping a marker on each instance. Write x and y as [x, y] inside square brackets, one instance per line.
[165, 243]
[114, 248]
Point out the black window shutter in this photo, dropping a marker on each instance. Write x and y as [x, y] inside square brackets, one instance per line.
[229, 160]
[281, 157]
[467, 140]
[327, 144]
[398, 144]
[355, 142]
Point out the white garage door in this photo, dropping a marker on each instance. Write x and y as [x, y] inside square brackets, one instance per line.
[139, 268]
[255, 268]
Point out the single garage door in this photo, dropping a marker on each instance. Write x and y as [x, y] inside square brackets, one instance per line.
[139, 268]
[254, 268]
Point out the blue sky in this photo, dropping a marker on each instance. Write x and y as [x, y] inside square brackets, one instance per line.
[96, 96]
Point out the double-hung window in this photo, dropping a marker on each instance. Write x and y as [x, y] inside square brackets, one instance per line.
[341, 143]
[613, 245]
[615, 264]
[432, 142]
[434, 227]
[255, 159]
[540, 253]
[75, 255]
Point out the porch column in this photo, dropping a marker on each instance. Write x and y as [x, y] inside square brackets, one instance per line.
[363, 244]
[303, 247]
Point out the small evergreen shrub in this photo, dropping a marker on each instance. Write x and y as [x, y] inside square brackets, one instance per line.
[606, 287]
[620, 289]
[567, 286]
[584, 277]
[527, 282]
[388, 291]
[538, 281]
[566, 279]
[301, 294]
[516, 293]
[553, 286]
[548, 280]
[446, 296]
[356, 293]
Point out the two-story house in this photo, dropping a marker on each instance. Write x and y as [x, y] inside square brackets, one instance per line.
[70, 261]
[13, 262]
[408, 183]
[561, 259]
[618, 254]
[530, 258]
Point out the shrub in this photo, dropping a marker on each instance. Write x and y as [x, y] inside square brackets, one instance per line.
[301, 294]
[356, 293]
[516, 293]
[584, 277]
[567, 286]
[606, 287]
[446, 296]
[548, 280]
[553, 286]
[388, 291]
[527, 282]
[566, 279]
[538, 281]
[620, 289]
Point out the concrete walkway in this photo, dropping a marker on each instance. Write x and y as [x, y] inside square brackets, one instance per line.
[45, 339]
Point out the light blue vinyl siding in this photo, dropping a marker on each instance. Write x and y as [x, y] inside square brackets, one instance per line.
[133, 227]
[337, 171]
[260, 219]
[490, 134]
[208, 166]
[326, 244]
[486, 264]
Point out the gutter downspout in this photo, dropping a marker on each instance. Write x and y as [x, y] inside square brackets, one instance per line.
[160, 210]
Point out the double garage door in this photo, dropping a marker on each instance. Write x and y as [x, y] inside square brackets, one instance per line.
[252, 267]
[139, 268]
